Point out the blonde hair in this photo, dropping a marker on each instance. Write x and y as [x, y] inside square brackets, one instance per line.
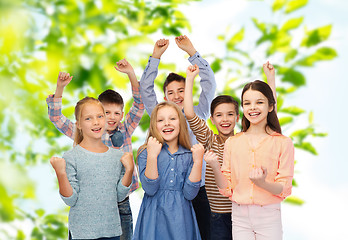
[78, 113]
[183, 137]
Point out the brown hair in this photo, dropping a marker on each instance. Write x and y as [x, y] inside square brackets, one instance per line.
[272, 119]
[78, 112]
[223, 99]
[172, 77]
[183, 138]
[111, 96]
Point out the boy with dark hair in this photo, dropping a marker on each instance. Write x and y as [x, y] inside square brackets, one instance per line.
[174, 91]
[118, 134]
[224, 115]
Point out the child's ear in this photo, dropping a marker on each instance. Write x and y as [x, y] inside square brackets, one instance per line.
[237, 119]
[212, 120]
[122, 115]
[165, 99]
[270, 109]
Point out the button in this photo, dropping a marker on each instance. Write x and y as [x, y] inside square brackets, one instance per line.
[253, 165]
[171, 181]
[172, 158]
[172, 169]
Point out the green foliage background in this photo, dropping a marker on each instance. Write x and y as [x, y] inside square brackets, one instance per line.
[85, 37]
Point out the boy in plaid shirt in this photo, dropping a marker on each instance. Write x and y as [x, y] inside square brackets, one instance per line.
[118, 134]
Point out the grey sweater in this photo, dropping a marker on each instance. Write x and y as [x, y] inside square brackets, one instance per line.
[97, 187]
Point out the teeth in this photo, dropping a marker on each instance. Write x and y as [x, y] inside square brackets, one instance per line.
[253, 114]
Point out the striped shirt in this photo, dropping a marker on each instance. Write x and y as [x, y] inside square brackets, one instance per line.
[218, 203]
[132, 119]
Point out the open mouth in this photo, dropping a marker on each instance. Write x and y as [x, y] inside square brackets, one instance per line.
[168, 130]
[111, 123]
[178, 102]
[225, 125]
[254, 114]
[96, 130]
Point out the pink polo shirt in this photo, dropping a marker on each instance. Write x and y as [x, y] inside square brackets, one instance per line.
[275, 152]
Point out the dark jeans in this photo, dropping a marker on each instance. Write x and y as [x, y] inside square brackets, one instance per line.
[221, 226]
[202, 209]
[126, 221]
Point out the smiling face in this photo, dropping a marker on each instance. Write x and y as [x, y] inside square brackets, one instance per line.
[256, 107]
[175, 92]
[114, 115]
[225, 118]
[168, 124]
[92, 121]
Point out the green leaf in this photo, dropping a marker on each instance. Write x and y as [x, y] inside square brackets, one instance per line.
[285, 120]
[235, 39]
[316, 36]
[261, 26]
[292, 76]
[294, 183]
[322, 54]
[293, 110]
[295, 5]
[307, 146]
[216, 65]
[310, 117]
[278, 4]
[294, 200]
[290, 55]
[292, 24]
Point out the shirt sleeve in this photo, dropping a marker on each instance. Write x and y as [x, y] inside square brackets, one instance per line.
[122, 191]
[135, 113]
[201, 130]
[147, 85]
[63, 124]
[190, 189]
[71, 172]
[208, 85]
[150, 186]
[285, 171]
[226, 169]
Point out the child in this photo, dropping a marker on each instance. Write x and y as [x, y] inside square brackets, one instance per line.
[174, 91]
[117, 135]
[258, 167]
[90, 179]
[170, 176]
[224, 115]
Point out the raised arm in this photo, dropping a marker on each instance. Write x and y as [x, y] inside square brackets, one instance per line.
[54, 103]
[208, 84]
[147, 87]
[191, 73]
[62, 81]
[148, 171]
[269, 71]
[67, 179]
[135, 113]
[124, 66]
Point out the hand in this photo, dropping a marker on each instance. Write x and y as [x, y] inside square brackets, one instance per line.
[153, 147]
[127, 161]
[63, 79]
[58, 164]
[192, 71]
[212, 159]
[124, 67]
[258, 175]
[197, 153]
[269, 70]
[160, 47]
[185, 44]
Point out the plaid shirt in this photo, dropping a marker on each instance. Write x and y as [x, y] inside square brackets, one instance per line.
[67, 127]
